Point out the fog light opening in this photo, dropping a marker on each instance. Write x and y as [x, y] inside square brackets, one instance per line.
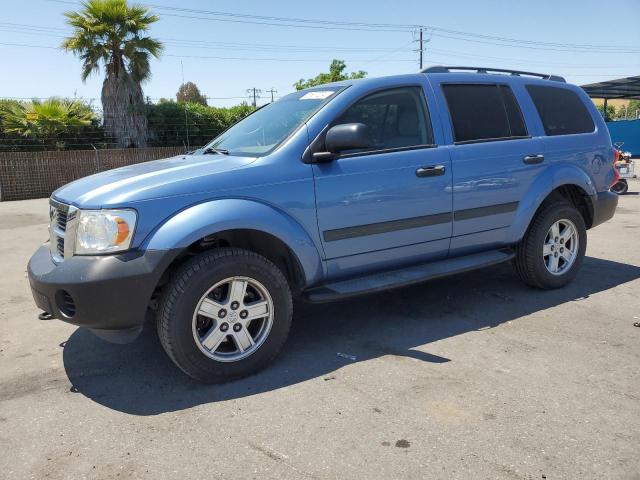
[65, 303]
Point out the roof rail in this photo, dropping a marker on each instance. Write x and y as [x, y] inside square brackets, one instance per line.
[443, 69]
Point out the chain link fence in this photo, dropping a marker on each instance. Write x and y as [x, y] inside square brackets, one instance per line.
[26, 175]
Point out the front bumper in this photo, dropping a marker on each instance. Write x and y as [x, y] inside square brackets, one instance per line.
[107, 294]
[604, 206]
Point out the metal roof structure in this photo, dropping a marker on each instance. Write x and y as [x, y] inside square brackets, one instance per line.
[621, 88]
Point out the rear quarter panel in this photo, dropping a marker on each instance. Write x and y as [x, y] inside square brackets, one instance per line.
[583, 159]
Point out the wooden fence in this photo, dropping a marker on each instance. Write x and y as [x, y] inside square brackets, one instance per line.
[25, 175]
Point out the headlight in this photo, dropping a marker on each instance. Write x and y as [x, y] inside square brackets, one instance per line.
[104, 231]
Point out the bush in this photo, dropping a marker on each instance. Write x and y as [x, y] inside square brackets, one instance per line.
[169, 122]
[64, 124]
[53, 124]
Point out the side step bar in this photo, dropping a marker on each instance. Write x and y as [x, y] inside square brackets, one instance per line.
[405, 276]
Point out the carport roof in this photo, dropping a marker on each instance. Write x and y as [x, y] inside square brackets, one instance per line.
[623, 88]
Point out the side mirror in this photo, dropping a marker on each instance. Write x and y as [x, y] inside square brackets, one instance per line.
[348, 136]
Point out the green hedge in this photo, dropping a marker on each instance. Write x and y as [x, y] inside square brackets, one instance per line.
[170, 124]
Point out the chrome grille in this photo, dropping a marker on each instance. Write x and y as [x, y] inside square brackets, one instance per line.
[60, 227]
[60, 247]
[62, 220]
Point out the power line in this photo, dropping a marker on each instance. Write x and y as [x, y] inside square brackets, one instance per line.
[27, 45]
[216, 57]
[378, 27]
[273, 59]
[382, 26]
[192, 43]
[526, 62]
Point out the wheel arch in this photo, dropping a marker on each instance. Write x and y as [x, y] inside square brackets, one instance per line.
[566, 182]
[245, 224]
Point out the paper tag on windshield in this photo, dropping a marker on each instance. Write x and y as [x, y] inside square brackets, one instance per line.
[319, 95]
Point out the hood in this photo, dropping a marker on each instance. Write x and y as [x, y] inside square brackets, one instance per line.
[178, 175]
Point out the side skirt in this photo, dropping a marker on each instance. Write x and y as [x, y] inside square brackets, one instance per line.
[406, 276]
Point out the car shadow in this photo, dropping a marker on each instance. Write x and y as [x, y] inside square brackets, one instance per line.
[139, 379]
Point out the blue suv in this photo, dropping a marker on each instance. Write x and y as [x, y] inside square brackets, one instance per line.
[339, 190]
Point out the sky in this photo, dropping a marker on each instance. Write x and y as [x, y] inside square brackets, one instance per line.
[583, 40]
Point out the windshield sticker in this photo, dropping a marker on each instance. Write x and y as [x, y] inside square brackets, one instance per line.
[319, 95]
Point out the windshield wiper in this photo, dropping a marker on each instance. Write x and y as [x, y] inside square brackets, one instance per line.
[220, 151]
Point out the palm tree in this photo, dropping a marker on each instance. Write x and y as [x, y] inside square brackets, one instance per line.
[112, 34]
[47, 122]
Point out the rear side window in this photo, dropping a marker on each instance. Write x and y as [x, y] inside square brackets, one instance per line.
[561, 110]
[483, 112]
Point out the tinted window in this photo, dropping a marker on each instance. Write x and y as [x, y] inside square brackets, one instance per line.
[483, 112]
[561, 110]
[396, 118]
[262, 131]
[516, 122]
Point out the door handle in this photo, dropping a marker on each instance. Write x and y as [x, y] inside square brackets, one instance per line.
[533, 159]
[430, 171]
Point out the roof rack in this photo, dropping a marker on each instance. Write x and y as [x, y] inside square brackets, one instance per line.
[443, 69]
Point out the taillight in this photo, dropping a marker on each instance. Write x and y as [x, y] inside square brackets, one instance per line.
[616, 173]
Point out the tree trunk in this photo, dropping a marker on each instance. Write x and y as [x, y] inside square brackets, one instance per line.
[125, 122]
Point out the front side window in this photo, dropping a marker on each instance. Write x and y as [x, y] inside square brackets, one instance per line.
[483, 112]
[396, 118]
[561, 110]
[261, 132]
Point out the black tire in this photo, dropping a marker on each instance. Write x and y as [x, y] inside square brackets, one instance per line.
[187, 286]
[529, 262]
[621, 187]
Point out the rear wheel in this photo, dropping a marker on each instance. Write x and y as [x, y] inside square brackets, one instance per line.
[552, 251]
[225, 314]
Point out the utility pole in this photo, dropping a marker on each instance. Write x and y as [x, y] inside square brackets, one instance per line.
[421, 49]
[421, 41]
[255, 92]
[272, 91]
[186, 114]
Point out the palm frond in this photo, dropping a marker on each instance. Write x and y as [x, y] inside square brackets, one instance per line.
[108, 33]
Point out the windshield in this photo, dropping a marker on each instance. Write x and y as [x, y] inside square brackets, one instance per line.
[262, 131]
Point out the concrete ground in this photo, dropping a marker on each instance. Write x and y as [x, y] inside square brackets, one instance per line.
[474, 376]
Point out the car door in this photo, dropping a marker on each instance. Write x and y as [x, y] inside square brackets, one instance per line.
[494, 161]
[391, 203]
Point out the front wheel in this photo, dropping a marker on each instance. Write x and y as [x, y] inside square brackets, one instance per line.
[225, 314]
[552, 251]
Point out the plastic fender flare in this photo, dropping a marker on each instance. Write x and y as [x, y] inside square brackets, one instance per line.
[552, 178]
[198, 221]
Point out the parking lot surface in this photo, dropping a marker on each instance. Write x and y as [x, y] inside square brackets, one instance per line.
[473, 376]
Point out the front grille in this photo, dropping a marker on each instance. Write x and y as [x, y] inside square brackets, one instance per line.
[62, 220]
[60, 246]
[59, 215]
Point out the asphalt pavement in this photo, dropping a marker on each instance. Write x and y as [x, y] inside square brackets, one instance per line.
[469, 377]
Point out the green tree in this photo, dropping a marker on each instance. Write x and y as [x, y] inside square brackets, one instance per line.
[189, 92]
[171, 123]
[111, 34]
[633, 109]
[611, 111]
[336, 73]
[47, 122]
